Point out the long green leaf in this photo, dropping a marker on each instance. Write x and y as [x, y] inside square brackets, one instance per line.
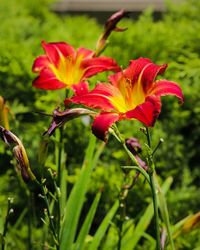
[76, 199]
[87, 223]
[144, 221]
[103, 227]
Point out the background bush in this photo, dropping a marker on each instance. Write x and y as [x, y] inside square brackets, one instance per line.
[174, 39]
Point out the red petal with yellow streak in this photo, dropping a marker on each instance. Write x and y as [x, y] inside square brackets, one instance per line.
[149, 74]
[147, 112]
[97, 65]
[55, 50]
[164, 87]
[97, 98]
[102, 123]
[143, 71]
[135, 68]
[47, 80]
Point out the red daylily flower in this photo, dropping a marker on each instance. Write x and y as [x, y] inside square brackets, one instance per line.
[63, 66]
[131, 94]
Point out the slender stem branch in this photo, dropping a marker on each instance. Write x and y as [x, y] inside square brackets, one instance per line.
[156, 215]
[118, 136]
[158, 145]
[141, 170]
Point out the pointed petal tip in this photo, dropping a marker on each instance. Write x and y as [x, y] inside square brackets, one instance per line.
[165, 87]
[102, 123]
[147, 112]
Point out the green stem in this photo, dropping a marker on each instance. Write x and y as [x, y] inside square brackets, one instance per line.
[51, 221]
[148, 137]
[165, 214]
[155, 206]
[122, 216]
[29, 222]
[59, 165]
[154, 194]
[118, 136]
[6, 223]
[59, 156]
[150, 178]
[141, 170]
[122, 209]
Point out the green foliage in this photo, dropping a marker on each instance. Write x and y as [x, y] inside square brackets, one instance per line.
[173, 40]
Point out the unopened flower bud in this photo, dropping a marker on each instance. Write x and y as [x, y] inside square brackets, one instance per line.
[110, 25]
[19, 152]
[59, 118]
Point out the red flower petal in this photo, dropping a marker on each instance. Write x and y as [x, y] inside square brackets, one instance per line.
[164, 87]
[149, 74]
[102, 123]
[147, 112]
[40, 63]
[55, 50]
[97, 65]
[80, 88]
[84, 53]
[135, 68]
[144, 70]
[115, 78]
[97, 98]
[47, 80]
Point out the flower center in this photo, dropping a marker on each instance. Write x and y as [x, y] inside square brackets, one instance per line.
[128, 95]
[68, 70]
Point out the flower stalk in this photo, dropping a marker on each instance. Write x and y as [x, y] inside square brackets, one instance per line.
[154, 191]
[155, 206]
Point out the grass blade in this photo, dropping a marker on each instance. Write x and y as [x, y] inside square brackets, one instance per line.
[103, 227]
[76, 199]
[87, 223]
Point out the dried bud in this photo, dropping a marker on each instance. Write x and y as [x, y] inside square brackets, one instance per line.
[133, 145]
[110, 26]
[19, 152]
[61, 117]
[135, 148]
[4, 113]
